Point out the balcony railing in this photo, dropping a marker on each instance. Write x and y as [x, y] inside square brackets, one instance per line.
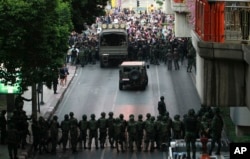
[237, 21]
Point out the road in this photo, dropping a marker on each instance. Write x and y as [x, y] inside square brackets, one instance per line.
[95, 90]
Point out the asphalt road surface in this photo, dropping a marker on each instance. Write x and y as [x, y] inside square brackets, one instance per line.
[95, 90]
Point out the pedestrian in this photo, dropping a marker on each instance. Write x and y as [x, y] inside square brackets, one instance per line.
[66, 69]
[12, 140]
[165, 132]
[176, 59]
[74, 54]
[191, 129]
[169, 57]
[118, 138]
[35, 133]
[93, 131]
[3, 125]
[73, 123]
[55, 80]
[162, 106]
[62, 75]
[110, 122]
[65, 127]
[83, 126]
[216, 131]
[43, 135]
[103, 125]
[124, 130]
[191, 58]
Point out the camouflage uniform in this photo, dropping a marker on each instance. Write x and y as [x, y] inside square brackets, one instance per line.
[43, 135]
[191, 127]
[93, 131]
[118, 134]
[139, 130]
[110, 121]
[131, 131]
[150, 134]
[54, 126]
[124, 127]
[216, 130]
[35, 132]
[102, 123]
[177, 127]
[83, 126]
[65, 127]
[3, 124]
[176, 59]
[73, 131]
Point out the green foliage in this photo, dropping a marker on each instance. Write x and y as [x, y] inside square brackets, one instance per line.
[85, 11]
[159, 2]
[33, 38]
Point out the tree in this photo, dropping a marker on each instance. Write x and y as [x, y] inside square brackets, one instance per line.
[33, 39]
[85, 11]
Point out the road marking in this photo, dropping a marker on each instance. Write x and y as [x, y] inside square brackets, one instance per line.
[102, 155]
[115, 97]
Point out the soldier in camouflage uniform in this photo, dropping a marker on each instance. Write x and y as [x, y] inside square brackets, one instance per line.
[93, 131]
[176, 57]
[139, 130]
[158, 134]
[3, 124]
[110, 122]
[131, 131]
[118, 134]
[124, 127]
[150, 134]
[169, 57]
[43, 135]
[54, 126]
[162, 106]
[12, 140]
[216, 130]
[65, 127]
[83, 126]
[191, 128]
[81, 56]
[35, 132]
[102, 123]
[165, 132]
[73, 123]
[177, 127]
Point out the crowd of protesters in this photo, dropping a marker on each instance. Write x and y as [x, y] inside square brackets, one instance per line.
[150, 38]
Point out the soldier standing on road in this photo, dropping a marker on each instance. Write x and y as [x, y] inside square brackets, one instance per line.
[140, 130]
[124, 126]
[150, 133]
[3, 124]
[43, 135]
[12, 140]
[216, 130]
[191, 128]
[110, 121]
[35, 132]
[169, 57]
[102, 122]
[73, 131]
[118, 134]
[165, 132]
[177, 127]
[65, 127]
[93, 131]
[83, 125]
[162, 106]
[131, 131]
[54, 126]
[176, 59]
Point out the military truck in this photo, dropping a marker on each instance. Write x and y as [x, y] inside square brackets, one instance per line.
[133, 74]
[113, 44]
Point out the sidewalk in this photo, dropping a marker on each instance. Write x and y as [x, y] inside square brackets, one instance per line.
[51, 102]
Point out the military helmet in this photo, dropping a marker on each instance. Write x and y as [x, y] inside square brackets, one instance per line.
[121, 116]
[162, 97]
[191, 112]
[177, 117]
[71, 114]
[131, 116]
[84, 116]
[55, 117]
[92, 116]
[103, 114]
[148, 115]
[111, 113]
[140, 116]
[66, 116]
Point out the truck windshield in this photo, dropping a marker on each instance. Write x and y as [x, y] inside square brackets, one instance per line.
[112, 39]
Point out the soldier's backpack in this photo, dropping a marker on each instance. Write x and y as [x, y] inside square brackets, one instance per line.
[93, 125]
[102, 123]
[65, 126]
[177, 125]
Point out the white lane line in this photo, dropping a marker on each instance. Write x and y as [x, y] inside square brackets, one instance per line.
[115, 97]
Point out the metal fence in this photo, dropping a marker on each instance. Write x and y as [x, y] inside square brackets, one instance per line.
[237, 21]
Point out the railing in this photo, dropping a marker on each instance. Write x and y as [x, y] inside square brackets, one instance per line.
[237, 21]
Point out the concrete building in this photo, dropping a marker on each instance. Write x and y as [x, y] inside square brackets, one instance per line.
[220, 36]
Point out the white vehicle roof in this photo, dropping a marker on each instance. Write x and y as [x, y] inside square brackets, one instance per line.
[133, 63]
